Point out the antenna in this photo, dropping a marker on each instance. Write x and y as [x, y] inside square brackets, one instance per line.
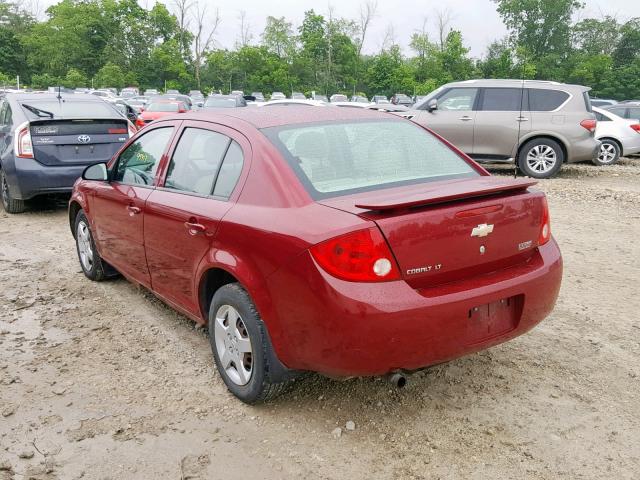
[59, 97]
[520, 117]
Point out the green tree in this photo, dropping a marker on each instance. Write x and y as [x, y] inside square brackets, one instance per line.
[110, 75]
[278, 37]
[74, 79]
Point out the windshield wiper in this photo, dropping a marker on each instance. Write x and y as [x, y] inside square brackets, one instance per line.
[39, 112]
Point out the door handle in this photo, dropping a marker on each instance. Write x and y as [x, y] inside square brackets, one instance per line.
[465, 118]
[133, 210]
[522, 119]
[194, 227]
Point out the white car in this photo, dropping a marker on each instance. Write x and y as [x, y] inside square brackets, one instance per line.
[618, 135]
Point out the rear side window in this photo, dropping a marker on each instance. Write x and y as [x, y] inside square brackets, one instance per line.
[543, 100]
[229, 172]
[5, 114]
[206, 163]
[137, 165]
[458, 99]
[339, 158]
[503, 99]
[196, 161]
[602, 118]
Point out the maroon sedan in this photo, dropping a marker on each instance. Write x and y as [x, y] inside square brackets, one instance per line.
[341, 241]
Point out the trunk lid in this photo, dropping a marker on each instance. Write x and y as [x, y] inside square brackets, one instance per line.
[450, 231]
[77, 141]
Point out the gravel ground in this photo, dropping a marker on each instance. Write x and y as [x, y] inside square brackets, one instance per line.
[102, 381]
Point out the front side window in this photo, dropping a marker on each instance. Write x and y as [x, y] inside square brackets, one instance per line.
[196, 161]
[137, 165]
[503, 99]
[458, 99]
[340, 158]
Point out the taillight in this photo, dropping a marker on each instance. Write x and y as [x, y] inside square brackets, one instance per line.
[589, 124]
[361, 256]
[139, 123]
[24, 147]
[636, 127]
[545, 224]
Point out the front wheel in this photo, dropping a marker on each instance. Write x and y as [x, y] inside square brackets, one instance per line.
[240, 346]
[609, 153]
[92, 264]
[541, 158]
[10, 204]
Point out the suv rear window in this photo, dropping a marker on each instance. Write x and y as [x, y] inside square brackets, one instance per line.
[543, 100]
[349, 157]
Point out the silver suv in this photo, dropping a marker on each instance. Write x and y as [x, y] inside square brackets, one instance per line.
[538, 124]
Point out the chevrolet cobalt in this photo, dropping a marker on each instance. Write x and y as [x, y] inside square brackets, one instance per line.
[342, 241]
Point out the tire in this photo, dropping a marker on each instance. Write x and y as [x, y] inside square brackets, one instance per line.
[609, 153]
[541, 158]
[10, 204]
[238, 335]
[94, 267]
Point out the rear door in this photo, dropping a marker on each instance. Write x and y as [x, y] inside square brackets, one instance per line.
[118, 207]
[455, 117]
[183, 214]
[501, 119]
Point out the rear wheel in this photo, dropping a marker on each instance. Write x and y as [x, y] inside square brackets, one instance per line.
[10, 204]
[609, 153]
[240, 346]
[541, 158]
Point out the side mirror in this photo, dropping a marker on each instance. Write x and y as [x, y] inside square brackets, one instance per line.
[97, 172]
[432, 105]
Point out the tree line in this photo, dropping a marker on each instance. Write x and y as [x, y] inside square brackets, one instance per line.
[117, 43]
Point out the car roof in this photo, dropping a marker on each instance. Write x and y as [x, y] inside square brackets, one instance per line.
[490, 82]
[288, 115]
[54, 96]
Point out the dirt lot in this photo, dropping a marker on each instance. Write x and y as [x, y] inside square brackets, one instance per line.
[102, 381]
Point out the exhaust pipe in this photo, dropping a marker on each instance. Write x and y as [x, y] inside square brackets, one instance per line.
[398, 379]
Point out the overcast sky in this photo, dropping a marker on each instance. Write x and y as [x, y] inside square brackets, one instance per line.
[477, 19]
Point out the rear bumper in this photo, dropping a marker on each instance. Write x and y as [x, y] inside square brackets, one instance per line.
[28, 178]
[341, 328]
[583, 150]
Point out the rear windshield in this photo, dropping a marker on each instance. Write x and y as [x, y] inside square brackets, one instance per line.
[163, 107]
[342, 158]
[69, 108]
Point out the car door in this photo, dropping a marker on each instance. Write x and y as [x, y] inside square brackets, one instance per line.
[502, 117]
[454, 118]
[118, 206]
[633, 113]
[183, 214]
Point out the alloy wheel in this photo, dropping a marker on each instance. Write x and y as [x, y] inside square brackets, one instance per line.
[542, 158]
[608, 153]
[4, 187]
[233, 345]
[83, 236]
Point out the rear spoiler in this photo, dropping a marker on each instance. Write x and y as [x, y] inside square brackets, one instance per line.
[447, 193]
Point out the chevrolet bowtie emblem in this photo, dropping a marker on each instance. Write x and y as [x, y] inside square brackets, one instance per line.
[482, 230]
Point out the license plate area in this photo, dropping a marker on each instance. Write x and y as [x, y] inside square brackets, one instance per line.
[494, 319]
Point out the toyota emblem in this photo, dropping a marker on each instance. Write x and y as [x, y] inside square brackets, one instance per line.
[84, 138]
